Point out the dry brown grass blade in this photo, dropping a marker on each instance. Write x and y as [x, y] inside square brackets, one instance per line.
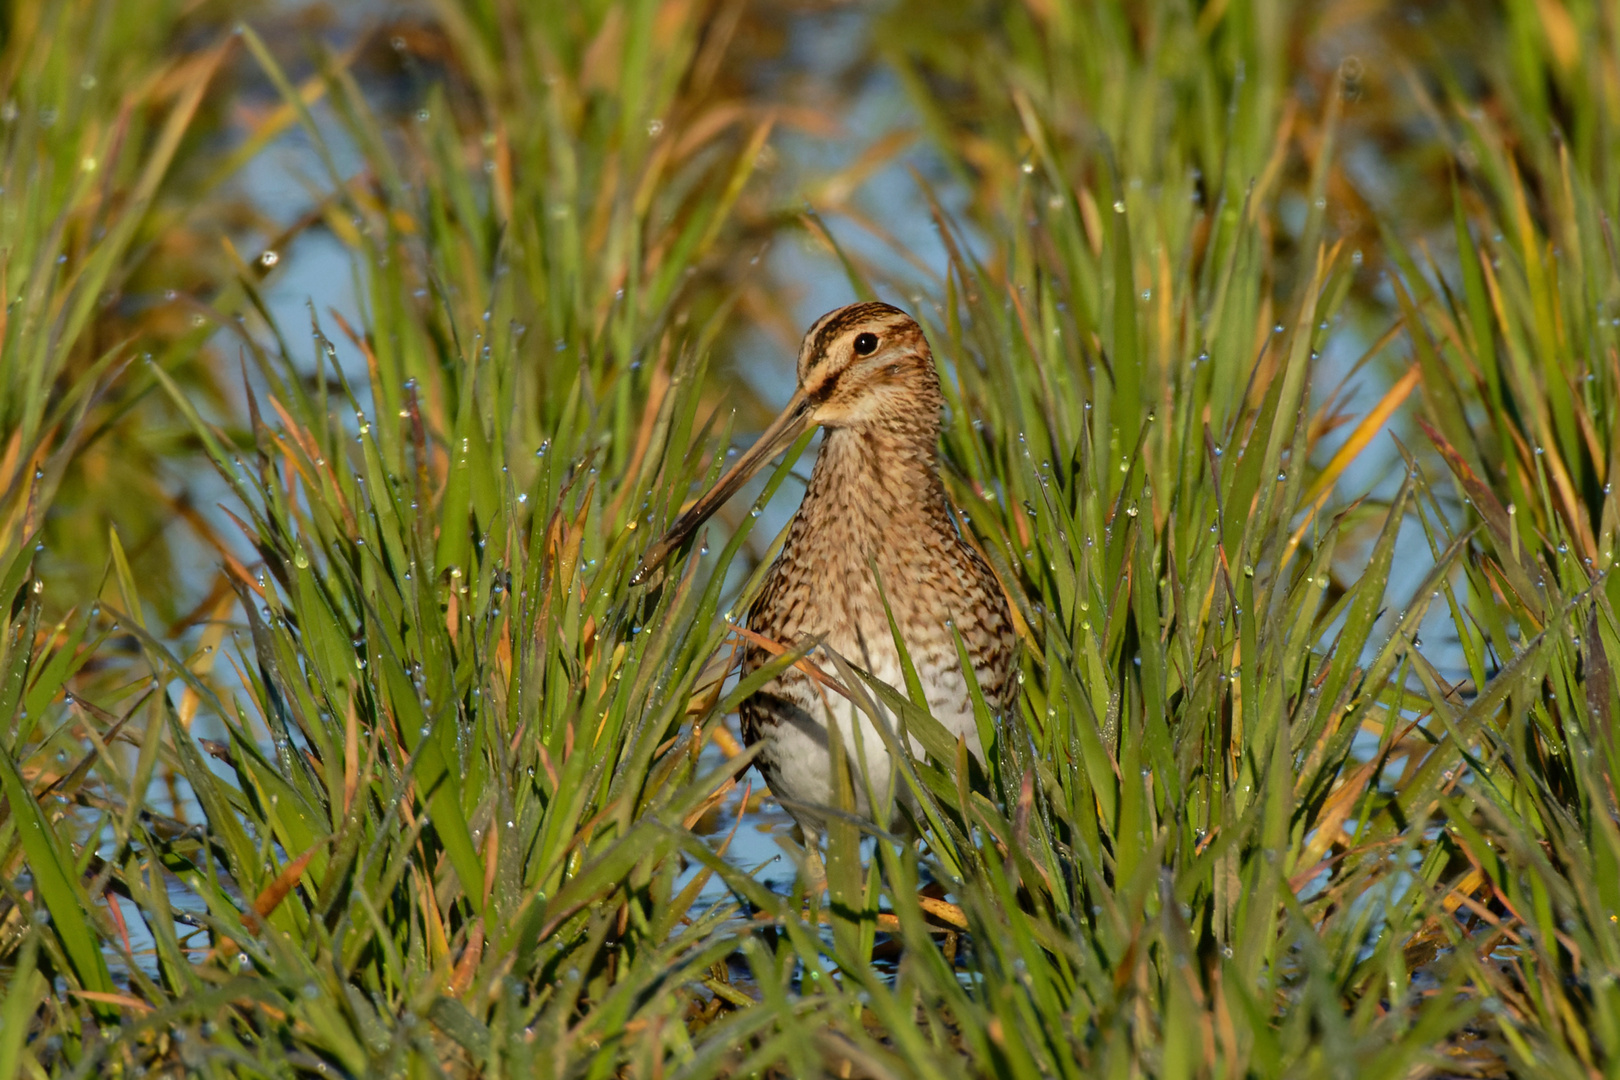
[775, 648]
[274, 893]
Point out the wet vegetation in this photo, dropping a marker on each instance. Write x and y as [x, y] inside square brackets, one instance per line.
[1281, 343]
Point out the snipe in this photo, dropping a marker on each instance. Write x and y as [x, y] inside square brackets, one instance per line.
[875, 502]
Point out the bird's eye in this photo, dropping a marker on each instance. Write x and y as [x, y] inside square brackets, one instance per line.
[865, 344]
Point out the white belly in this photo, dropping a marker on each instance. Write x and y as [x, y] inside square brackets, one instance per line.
[802, 772]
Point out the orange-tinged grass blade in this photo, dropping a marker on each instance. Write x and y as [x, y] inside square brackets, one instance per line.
[467, 965]
[313, 457]
[117, 917]
[945, 911]
[274, 893]
[1340, 804]
[492, 852]
[804, 665]
[1363, 435]
[438, 940]
[351, 755]
[121, 1000]
[208, 652]
[1463, 891]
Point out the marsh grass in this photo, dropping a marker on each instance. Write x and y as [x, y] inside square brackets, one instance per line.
[413, 790]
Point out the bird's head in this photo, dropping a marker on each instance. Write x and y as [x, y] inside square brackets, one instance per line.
[867, 365]
[862, 366]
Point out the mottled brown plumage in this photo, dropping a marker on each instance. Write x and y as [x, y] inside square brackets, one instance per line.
[875, 502]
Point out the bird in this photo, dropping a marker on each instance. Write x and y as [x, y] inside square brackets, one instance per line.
[875, 522]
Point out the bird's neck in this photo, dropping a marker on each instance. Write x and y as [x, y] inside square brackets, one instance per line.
[877, 483]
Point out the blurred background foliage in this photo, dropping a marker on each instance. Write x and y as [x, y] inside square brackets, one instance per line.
[351, 357]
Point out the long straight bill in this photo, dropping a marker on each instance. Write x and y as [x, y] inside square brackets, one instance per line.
[788, 426]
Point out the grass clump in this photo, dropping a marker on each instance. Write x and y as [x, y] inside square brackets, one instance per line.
[435, 812]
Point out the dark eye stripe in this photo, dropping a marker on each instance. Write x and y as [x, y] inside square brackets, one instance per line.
[824, 390]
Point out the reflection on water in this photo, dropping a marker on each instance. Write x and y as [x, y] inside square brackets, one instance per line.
[747, 836]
